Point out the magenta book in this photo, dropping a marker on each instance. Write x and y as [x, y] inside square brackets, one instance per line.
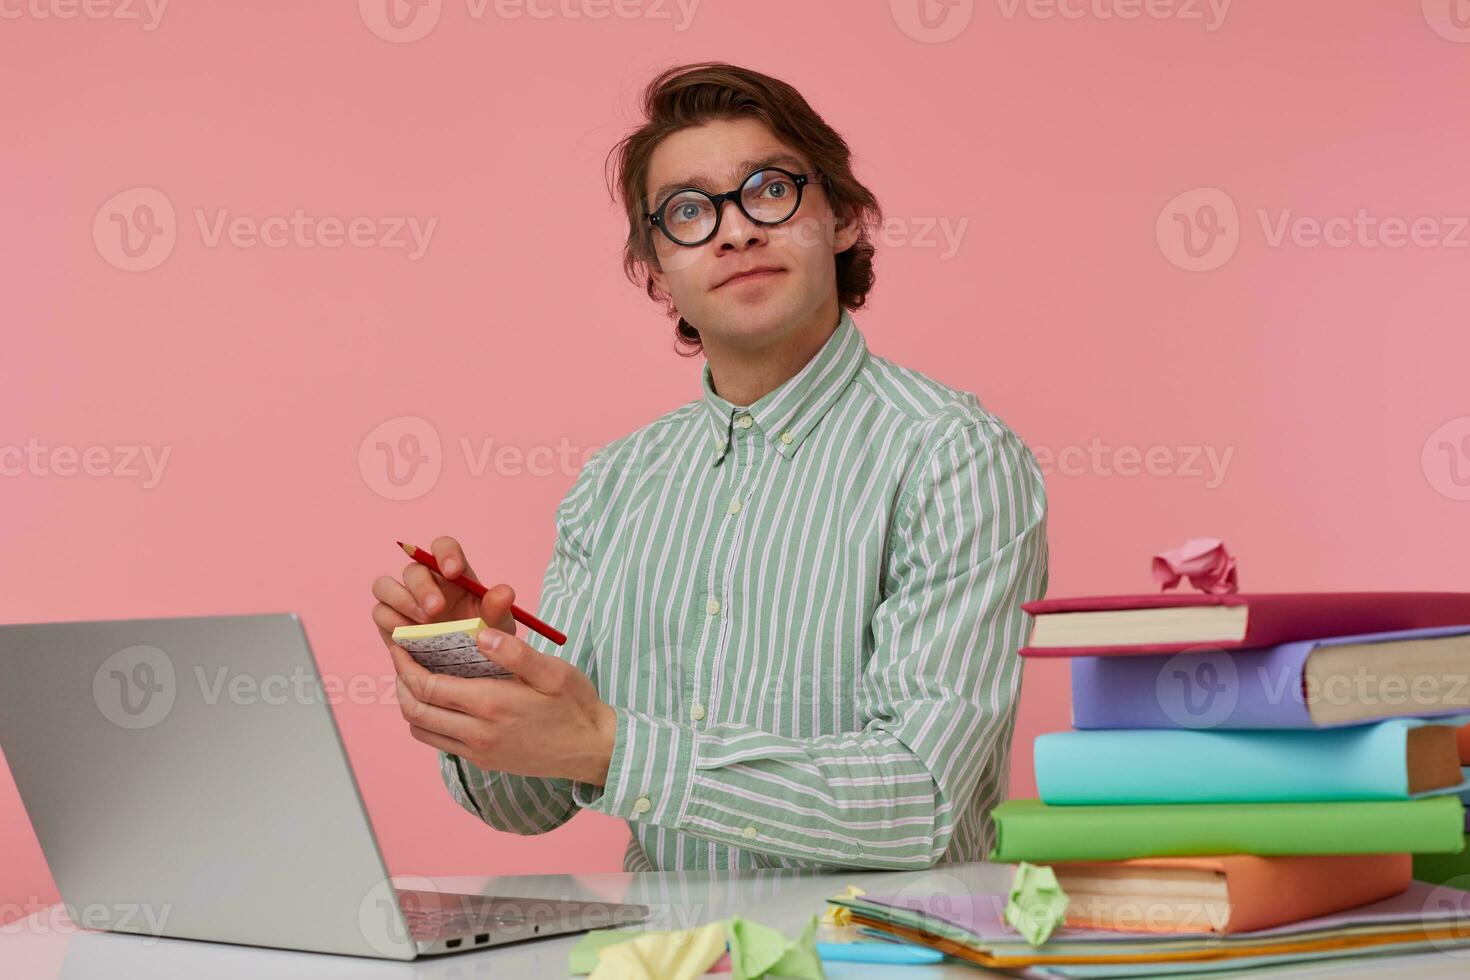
[1168, 623]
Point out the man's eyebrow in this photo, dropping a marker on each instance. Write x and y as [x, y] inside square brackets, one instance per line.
[744, 167]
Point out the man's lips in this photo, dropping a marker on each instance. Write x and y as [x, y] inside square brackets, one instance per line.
[760, 272]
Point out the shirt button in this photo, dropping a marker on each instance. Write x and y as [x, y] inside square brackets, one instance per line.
[713, 606]
[697, 712]
[642, 805]
[744, 421]
[786, 438]
[749, 833]
[734, 506]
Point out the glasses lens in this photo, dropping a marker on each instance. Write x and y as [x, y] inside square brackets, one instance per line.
[689, 217]
[769, 195]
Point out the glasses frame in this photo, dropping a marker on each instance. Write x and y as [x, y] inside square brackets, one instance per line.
[656, 216]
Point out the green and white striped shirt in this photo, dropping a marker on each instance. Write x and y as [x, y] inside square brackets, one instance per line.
[806, 613]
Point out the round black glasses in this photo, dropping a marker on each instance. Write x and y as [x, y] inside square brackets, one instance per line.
[767, 197]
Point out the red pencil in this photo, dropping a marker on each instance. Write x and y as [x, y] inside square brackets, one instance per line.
[465, 582]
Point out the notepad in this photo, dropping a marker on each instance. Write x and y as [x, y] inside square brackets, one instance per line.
[449, 648]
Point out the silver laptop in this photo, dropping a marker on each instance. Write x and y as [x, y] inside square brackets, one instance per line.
[186, 778]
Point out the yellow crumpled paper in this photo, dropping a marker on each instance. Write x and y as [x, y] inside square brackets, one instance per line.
[682, 955]
[755, 952]
[841, 915]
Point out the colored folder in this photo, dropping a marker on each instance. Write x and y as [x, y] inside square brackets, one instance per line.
[972, 927]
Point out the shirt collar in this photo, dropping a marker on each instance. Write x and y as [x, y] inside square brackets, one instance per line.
[789, 412]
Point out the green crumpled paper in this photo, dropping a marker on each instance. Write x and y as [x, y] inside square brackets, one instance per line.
[756, 951]
[1037, 904]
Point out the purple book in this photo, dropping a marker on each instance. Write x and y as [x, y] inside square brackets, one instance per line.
[1259, 688]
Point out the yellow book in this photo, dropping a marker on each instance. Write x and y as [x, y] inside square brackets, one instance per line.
[449, 648]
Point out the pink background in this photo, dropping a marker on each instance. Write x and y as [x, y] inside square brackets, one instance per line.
[1334, 376]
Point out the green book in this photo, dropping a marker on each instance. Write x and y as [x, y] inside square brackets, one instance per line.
[1029, 830]
[1445, 869]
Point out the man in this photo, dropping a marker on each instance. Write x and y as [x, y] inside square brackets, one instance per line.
[792, 604]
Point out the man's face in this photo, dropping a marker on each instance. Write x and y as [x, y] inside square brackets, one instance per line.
[752, 311]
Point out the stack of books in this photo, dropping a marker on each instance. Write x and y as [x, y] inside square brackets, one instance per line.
[1242, 767]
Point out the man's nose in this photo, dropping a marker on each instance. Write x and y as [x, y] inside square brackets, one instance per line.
[736, 230]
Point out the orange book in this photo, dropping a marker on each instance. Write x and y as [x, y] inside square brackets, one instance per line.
[1229, 894]
[1463, 737]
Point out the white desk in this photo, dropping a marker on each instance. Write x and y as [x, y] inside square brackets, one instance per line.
[46, 945]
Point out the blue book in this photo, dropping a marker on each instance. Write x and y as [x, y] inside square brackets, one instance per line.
[1401, 759]
[1340, 680]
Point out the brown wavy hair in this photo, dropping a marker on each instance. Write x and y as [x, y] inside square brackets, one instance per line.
[694, 94]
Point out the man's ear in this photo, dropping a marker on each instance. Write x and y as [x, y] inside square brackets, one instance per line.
[845, 233]
[657, 275]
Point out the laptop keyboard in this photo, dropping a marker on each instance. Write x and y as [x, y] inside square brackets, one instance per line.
[434, 915]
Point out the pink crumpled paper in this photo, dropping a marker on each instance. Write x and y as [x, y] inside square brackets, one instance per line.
[1204, 561]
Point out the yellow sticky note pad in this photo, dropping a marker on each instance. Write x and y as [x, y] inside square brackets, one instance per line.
[449, 648]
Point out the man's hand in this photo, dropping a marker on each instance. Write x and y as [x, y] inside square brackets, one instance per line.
[427, 597]
[546, 721]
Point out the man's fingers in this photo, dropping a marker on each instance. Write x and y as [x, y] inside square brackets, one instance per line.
[392, 593]
[388, 619]
[442, 742]
[445, 690]
[544, 673]
[425, 588]
[450, 556]
[452, 724]
[495, 607]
